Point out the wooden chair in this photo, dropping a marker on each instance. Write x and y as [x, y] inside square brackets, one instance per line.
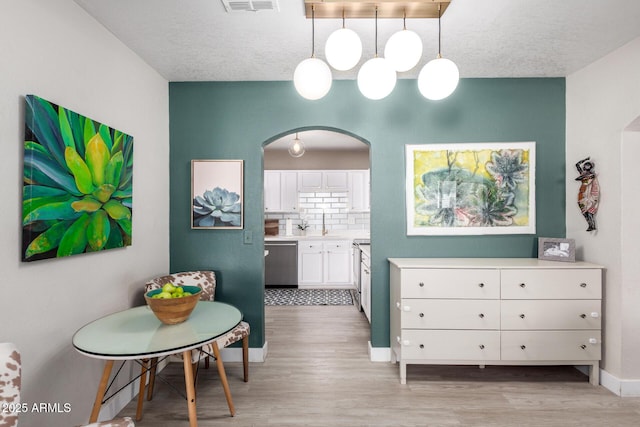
[206, 280]
[10, 383]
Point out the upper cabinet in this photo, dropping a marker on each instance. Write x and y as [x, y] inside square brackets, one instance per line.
[358, 181]
[282, 187]
[313, 181]
[280, 191]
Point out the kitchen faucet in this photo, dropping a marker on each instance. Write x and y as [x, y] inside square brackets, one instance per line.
[324, 229]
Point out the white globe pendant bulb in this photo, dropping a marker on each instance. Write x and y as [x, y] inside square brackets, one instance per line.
[438, 79]
[376, 78]
[312, 78]
[343, 49]
[403, 50]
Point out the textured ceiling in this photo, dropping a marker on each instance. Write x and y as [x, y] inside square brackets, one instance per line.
[197, 40]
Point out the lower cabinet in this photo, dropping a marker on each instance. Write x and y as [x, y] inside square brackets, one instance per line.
[495, 312]
[324, 262]
[365, 284]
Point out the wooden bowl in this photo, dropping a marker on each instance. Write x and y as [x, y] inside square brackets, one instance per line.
[171, 311]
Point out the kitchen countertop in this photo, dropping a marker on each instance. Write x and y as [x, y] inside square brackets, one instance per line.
[332, 235]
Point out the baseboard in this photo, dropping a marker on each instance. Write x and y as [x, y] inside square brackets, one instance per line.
[622, 388]
[234, 354]
[379, 354]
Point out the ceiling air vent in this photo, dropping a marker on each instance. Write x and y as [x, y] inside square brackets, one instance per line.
[250, 5]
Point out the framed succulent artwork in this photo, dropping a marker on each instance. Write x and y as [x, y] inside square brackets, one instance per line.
[470, 189]
[217, 194]
[77, 183]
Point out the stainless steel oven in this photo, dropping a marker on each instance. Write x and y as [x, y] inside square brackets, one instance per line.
[357, 279]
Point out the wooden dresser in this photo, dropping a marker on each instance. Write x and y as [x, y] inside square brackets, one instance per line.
[495, 311]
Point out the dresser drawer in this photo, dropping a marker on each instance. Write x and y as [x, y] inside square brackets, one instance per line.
[450, 345]
[450, 283]
[551, 314]
[450, 314]
[551, 284]
[550, 345]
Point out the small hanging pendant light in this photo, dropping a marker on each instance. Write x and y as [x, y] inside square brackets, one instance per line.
[376, 78]
[403, 49]
[343, 48]
[312, 77]
[439, 77]
[296, 147]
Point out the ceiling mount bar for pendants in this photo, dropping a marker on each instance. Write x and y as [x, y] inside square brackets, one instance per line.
[356, 9]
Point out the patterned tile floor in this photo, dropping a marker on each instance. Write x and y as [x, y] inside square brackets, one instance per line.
[293, 296]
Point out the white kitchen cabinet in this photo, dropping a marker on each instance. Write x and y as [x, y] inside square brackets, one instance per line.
[365, 284]
[495, 311]
[316, 181]
[310, 263]
[280, 191]
[358, 181]
[324, 263]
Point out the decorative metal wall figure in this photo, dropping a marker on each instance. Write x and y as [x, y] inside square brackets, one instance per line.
[589, 192]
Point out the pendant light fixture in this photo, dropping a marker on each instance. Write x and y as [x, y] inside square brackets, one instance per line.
[403, 49]
[376, 78]
[439, 77]
[296, 147]
[343, 48]
[312, 77]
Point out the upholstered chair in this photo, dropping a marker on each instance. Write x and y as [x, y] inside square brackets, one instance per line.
[206, 280]
[10, 378]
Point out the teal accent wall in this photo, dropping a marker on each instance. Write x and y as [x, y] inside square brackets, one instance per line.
[234, 120]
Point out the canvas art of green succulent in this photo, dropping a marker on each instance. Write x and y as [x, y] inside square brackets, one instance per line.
[77, 188]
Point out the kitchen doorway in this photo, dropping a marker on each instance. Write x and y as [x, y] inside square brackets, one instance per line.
[317, 214]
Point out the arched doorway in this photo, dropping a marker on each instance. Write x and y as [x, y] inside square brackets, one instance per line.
[293, 197]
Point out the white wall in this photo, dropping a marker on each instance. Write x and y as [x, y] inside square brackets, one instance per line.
[603, 99]
[53, 49]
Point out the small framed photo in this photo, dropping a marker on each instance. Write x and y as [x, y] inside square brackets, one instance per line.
[554, 249]
[217, 194]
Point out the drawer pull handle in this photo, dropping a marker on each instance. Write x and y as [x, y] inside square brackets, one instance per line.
[481, 346]
[595, 314]
[522, 316]
[523, 347]
[583, 346]
[421, 314]
[421, 284]
[593, 341]
[583, 285]
[406, 342]
[522, 285]
[583, 315]
[421, 345]
[481, 315]
[481, 285]
[406, 308]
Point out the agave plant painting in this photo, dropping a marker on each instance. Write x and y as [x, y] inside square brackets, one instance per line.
[77, 191]
[217, 193]
[484, 188]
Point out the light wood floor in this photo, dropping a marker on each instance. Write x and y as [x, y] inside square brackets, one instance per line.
[317, 373]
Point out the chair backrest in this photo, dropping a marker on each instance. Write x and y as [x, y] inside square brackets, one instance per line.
[202, 279]
[10, 375]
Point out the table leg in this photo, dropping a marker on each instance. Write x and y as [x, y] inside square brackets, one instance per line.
[108, 365]
[223, 378]
[143, 380]
[191, 392]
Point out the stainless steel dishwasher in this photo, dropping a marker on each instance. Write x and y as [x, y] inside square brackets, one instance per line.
[281, 264]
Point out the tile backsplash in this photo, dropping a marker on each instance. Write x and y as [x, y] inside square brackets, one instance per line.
[334, 205]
